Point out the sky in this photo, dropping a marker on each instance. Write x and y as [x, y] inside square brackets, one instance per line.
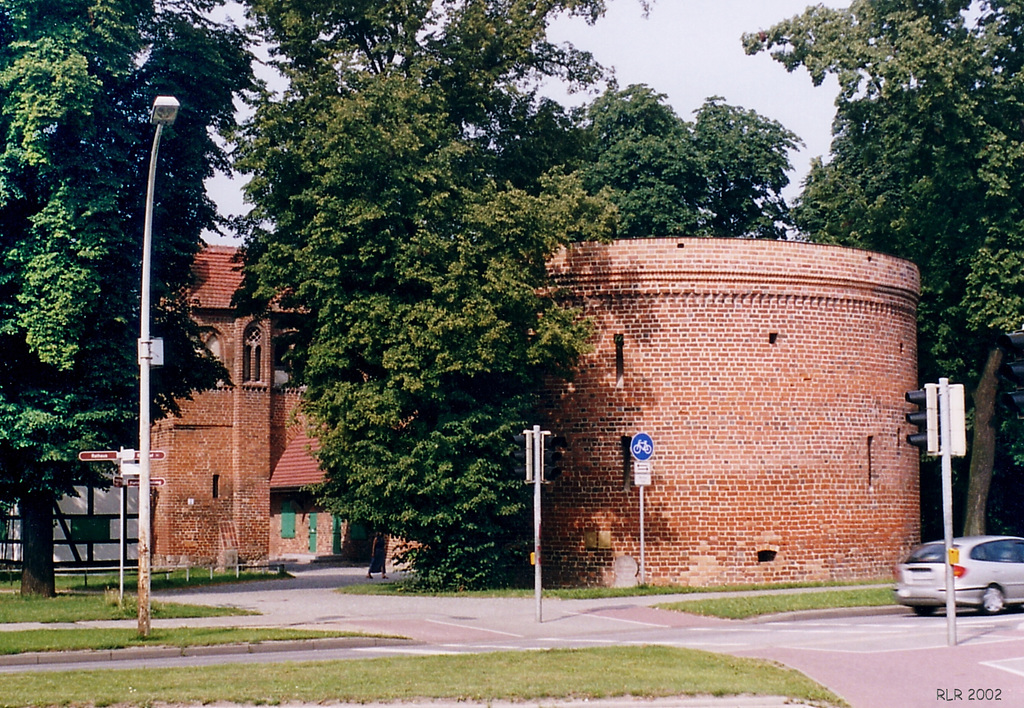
[688, 50]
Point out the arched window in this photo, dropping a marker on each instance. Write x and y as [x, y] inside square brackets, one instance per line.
[213, 344]
[252, 357]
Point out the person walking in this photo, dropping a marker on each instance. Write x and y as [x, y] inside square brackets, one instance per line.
[378, 555]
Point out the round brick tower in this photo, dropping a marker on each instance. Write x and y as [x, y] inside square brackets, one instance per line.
[771, 377]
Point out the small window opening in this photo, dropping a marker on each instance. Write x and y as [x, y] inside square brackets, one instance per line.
[773, 337]
[620, 362]
[627, 462]
[871, 471]
[216, 486]
[766, 556]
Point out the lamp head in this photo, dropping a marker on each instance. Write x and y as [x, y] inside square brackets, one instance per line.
[165, 110]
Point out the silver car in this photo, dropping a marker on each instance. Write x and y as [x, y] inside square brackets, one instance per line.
[989, 574]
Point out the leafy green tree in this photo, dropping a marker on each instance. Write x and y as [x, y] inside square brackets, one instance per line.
[721, 175]
[407, 193]
[926, 163]
[77, 79]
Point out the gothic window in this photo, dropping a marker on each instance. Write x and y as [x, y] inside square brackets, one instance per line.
[213, 344]
[252, 355]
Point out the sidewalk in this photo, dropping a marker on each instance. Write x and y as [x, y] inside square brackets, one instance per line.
[308, 601]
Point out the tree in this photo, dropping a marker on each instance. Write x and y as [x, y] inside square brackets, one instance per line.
[408, 190]
[926, 164]
[77, 79]
[721, 175]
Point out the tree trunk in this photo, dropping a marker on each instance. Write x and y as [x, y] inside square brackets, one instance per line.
[37, 544]
[983, 447]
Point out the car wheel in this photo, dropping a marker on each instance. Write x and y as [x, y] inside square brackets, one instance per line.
[992, 600]
[924, 610]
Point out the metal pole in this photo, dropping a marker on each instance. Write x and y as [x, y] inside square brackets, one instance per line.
[145, 359]
[643, 572]
[121, 547]
[538, 474]
[947, 508]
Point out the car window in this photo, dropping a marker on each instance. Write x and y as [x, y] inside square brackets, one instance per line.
[981, 552]
[997, 552]
[928, 553]
[1018, 547]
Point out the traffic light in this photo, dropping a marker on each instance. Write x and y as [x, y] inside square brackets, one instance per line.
[926, 418]
[553, 447]
[1012, 368]
[523, 454]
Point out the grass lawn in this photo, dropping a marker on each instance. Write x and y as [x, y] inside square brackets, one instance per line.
[743, 607]
[591, 593]
[518, 676]
[74, 607]
[20, 641]
[87, 580]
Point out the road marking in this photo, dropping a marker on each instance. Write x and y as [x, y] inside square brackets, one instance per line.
[404, 650]
[475, 629]
[1014, 666]
[620, 619]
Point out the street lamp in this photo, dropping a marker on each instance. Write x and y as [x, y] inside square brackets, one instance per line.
[165, 110]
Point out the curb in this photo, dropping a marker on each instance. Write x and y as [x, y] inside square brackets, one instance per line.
[834, 613]
[45, 658]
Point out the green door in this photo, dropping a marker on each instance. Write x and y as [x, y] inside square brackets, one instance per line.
[336, 535]
[312, 532]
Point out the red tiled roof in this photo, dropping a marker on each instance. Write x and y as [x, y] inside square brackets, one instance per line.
[297, 467]
[218, 275]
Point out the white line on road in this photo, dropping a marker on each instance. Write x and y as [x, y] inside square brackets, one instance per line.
[403, 651]
[620, 619]
[1015, 666]
[477, 629]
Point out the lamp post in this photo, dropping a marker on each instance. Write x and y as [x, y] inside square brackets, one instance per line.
[165, 110]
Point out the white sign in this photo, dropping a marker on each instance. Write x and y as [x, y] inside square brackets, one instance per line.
[642, 473]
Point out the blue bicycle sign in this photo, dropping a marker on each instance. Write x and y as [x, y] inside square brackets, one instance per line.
[642, 446]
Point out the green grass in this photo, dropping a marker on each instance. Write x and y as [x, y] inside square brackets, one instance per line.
[517, 676]
[74, 607]
[89, 581]
[592, 593]
[744, 607]
[44, 640]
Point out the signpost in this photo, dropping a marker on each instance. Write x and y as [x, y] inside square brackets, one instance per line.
[128, 466]
[642, 449]
[943, 433]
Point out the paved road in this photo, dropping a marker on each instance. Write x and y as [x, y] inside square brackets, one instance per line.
[886, 659]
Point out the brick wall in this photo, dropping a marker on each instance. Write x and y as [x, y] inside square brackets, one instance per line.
[771, 377]
[216, 502]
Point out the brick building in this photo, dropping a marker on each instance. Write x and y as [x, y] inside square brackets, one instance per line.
[238, 461]
[771, 376]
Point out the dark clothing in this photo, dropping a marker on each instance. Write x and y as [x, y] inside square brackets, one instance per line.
[379, 551]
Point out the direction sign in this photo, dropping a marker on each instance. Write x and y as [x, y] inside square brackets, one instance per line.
[642, 474]
[153, 455]
[97, 455]
[114, 455]
[642, 447]
[134, 482]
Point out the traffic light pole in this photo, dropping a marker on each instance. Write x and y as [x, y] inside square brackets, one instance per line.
[946, 447]
[538, 477]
